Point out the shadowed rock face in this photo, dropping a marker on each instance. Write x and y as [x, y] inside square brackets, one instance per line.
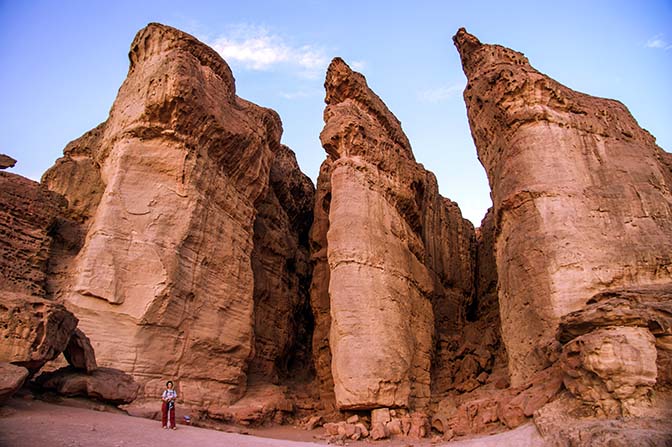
[581, 194]
[29, 216]
[169, 188]
[33, 330]
[282, 272]
[400, 256]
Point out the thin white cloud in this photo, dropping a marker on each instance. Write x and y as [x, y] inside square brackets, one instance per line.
[658, 42]
[358, 65]
[440, 94]
[299, 94]
[257, 48]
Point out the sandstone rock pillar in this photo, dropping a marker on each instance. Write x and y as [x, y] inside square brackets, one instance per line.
[582, 196]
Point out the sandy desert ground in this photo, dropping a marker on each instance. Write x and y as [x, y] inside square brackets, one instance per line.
[31, 423]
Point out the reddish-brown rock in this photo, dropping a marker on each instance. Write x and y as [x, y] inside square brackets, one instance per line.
[29, 216]
[400, 256]
[168, 189]
[12, 378]
[6, 161]
[568, 421]
[643, 307]
[105, 384]
[33, 330]
[581, 196]
[282, 272]
[319, 286]
[79, 352]
[473, 355]
[613, 368]
[648, 307]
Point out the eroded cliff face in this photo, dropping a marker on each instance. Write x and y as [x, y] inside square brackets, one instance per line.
[170, 189]
[282, 273]
[581, 194]
[30, 217]
[400, 257]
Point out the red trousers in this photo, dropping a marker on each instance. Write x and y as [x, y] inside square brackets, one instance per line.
[164, 414]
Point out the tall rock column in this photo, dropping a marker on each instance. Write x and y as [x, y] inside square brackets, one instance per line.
[582, 196]
[398, 253]
[167, 187]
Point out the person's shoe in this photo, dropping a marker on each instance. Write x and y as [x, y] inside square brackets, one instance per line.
[164, 427]
[174, 428]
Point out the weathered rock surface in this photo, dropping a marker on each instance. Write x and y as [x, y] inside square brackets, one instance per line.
[79, 352]
[489, 408]
[6, 161]
[12, 378]
[400, 256]
[613, 368]
[319, 286]
[616, 348]
[29, 215]
[581, 196]
[282, 272]
[647, 307]
[33, 330]
[474, 355]
[105, 384]
[169, 189]
[568, 421]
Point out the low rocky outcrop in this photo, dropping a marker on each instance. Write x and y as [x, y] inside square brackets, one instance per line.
[33, 330]
[12, 378]
[615, 348]
[104, 384]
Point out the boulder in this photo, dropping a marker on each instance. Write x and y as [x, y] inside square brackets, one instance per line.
[612, 368]
[6, 161]
[12, 378]
[581, 194]
[79, 352]
[34, 330]
[105, 384]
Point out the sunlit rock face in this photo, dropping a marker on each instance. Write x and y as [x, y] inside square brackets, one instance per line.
[582, 196]
[169, 188]
[399, 255]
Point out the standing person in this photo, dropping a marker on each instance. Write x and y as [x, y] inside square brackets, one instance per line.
[168, 406]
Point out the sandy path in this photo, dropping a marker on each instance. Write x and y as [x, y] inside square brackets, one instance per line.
[40, 424]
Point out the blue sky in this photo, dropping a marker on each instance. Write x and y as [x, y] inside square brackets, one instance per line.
[63, 62]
